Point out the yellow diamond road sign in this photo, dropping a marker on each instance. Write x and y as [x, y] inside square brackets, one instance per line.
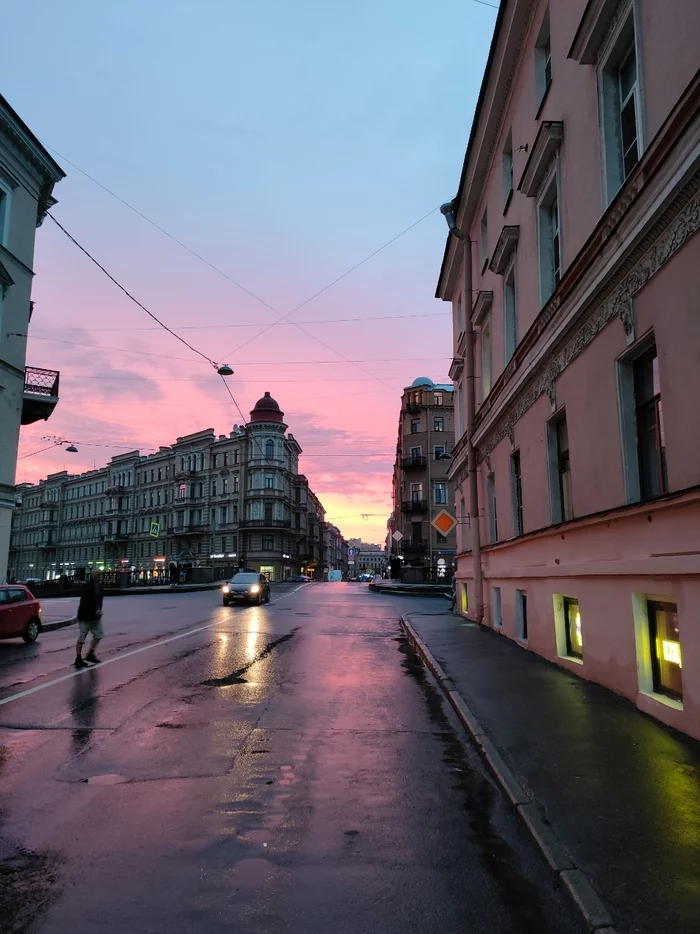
[444, 522]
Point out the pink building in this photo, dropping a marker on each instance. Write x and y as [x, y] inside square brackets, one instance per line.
[573, 270]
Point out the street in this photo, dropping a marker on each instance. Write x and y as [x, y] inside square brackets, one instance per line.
[285, 768]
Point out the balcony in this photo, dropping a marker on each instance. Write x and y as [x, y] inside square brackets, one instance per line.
[48, 544]
[413, 408]
[415, 544]
[413, 463]
[265, 524]
[414, 505]
[194, 528]
[40, 394]
[112, 538]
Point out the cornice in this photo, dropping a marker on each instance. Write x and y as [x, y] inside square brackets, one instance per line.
[504, 249]
[544, 150]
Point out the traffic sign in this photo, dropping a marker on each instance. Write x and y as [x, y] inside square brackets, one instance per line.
[397, 536]
[155, 529]
[444, 522]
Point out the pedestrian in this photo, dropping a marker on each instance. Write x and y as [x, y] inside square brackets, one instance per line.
[89, 620]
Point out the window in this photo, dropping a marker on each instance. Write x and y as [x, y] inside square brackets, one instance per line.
[226, 458]
[664, 637]
[651, 444]
[235, 484]
[268, 543]
[492, 515]
[416, 492]
[416, 455]
[510, 310]
[214, 459]
[224, 485]
[517, 492]
[4, 214]
[438, 398]
[549, 238]
[486, 357]
[508, 170]
[181, 492]
[439, 451]
[620, 105]
[521, 614]
[543, 60]
[236, 455]
[440, 492]
[269, 481]
[269, 449]
[441, 539]
[484, 239]
[223, 515]
[439, 423]
[268, 512]
[572, 628]
[496, 612]
[213, 487]
[561, 501]
[415, 426]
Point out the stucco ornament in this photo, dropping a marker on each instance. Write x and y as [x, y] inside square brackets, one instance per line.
[618, 301]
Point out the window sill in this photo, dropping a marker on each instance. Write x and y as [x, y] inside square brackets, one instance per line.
[572, 658]
[664, 699]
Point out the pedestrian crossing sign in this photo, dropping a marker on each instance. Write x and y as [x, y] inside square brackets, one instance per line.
[444, 522]
[155, 529]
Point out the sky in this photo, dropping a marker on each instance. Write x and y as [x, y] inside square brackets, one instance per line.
[283, 143]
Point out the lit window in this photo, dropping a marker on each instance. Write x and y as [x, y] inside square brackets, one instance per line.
[182, 492]
[664, 636]
[438, 398]
[439, 423]
[572, 628]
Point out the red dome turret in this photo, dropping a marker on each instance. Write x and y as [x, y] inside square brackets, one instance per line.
[267, 410]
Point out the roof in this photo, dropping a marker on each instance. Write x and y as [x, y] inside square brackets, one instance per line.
[12, 121]
[475, 123]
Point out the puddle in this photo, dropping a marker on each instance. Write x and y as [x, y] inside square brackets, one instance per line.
[170, 726]
[236, 676]
[109, 779]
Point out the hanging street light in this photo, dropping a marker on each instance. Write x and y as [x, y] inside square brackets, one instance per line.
[225, 370]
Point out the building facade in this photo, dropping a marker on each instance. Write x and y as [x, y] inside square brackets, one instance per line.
[421, 487]
[572, 273]
[205, 504]
[27, 177]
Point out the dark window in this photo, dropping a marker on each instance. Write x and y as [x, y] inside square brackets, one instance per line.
[415, 426]
[269, 449]
[234, 542]
[416, 533]
[269, 481]
[213, 487]
[517, 487]
[572, 622]
[564, 471]
[441, 539]
[268, 543]
[214, 459]
[235, 456]
[664, 637]
[268, 512]
[651, 444]
[439, 423]
[223, 515]
[627, 77]
[226, 456]
[492, 508]
[521, 613]
[224, 485]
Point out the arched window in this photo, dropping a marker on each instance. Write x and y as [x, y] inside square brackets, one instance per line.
[269, 448]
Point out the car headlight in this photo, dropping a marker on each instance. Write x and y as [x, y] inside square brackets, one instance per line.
[226, 588]
[255, 588]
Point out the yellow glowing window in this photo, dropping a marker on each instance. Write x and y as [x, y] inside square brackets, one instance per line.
[665, 642]
[574, 632]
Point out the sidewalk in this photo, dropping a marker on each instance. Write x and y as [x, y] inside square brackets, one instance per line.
[418, 590]
[620, 791]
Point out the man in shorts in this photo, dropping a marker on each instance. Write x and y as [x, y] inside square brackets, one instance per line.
[89, 620]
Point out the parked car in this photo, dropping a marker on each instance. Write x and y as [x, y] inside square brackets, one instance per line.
[301, 579]
[20, 613]
[246, 587]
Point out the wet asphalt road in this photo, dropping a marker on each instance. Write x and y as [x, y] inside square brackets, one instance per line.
[287, 768]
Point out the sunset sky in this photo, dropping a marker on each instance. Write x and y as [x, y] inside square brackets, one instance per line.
[282, 142]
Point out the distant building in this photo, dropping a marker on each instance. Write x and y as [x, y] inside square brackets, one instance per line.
[574, 289]
[205, 502]
[27, 177]
[421, 488]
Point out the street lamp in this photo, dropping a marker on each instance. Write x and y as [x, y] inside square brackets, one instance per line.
[72, 449]
[225, 370]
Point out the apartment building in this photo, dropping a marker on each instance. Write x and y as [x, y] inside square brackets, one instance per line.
[421, 487]
[206, 503]
[27, 394]
[572, 272]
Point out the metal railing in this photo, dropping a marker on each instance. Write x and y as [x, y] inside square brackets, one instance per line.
[40, 382]
[413, 463]
[414, 505]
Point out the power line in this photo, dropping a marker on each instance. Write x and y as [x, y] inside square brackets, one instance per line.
[252, 324]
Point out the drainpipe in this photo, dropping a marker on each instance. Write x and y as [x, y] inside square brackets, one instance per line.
[472, 476]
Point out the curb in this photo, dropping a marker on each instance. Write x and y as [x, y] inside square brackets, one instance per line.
[574, 880]
[419, 592]
[60, 624]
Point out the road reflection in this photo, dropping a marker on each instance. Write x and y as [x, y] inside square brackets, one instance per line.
[84, 703]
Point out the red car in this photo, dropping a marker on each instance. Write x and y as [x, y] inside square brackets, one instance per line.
[20, 613]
